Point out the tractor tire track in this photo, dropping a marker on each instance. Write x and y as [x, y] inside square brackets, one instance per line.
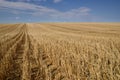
[15, 72]
[9, 43]
[6, 62]
[36, 72]
[53, 70]
[26, 64]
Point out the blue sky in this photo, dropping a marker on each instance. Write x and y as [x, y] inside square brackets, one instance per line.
[13, 11]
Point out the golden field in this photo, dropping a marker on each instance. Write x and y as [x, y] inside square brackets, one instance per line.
[60, 51]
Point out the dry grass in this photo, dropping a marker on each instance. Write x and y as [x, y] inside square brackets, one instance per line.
[60, 51]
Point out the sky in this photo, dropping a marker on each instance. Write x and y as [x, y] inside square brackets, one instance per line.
[16, 11]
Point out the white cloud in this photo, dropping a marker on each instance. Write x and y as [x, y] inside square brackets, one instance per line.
[57, 1]
[17, 18]
[42, 11]
[29, 0]
[19, 5]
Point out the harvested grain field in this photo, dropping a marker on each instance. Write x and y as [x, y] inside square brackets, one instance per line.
[60, 51]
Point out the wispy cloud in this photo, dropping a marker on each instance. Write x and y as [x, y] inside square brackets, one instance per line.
[39, 10]
[17, 18]
[27, 0]
[57, 1]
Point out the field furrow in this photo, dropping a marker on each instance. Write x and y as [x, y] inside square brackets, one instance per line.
[15, 72]
[7, 44]
[8, 60]
[54, 71]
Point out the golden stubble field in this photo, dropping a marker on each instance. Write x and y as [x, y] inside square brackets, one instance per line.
[60, 51]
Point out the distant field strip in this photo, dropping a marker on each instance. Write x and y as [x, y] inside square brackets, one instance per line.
[60, 51]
